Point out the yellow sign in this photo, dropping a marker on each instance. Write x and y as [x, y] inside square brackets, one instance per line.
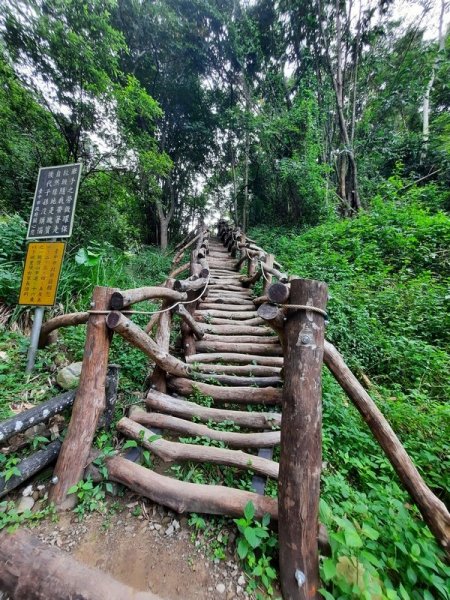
[41, 273]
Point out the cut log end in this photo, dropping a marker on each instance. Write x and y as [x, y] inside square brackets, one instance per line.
[117, 301]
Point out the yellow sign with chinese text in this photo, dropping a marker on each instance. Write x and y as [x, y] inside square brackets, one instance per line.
[41, 273]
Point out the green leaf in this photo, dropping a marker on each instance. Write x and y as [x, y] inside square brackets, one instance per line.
[242, 549]
[73, 489]
[251, 537]
[352, 538]
[326, 594]
[129, 444]
[249, 511]
[329, 568]
[370, 532]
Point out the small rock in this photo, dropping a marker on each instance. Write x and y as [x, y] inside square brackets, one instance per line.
[69, 377]
[175, 525]
[25, 503]
[238, 590]
[157, 526]
[220, 587]
[169, 531]
[35, 495]
[28, 491]
[241, 580]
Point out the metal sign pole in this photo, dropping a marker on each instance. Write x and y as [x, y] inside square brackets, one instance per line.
[34, 339]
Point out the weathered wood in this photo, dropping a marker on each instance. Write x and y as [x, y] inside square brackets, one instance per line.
[162, 340]
[301, 455]
[282, 277]
[189, 286]
[122, 299]
[112, 384]
[69, 320]
[38, 414]
[236, 358]
[195, 327]
[214, 302]
[30, 466]
[170, 451]
[190, 410]
[241, 339]
[246, 395]
[219, 321]
[154, 320]
[239, 380]
[228, 307]
[88, 405]
[276, 317]
[116, 321]
[251, 279]
[434, 512]
[268, 263]
[183, 496]
[260, 300]
[187, 334]
[181, 269]
[248, 370]
[236, 329]
[278, 293]
[187, 428]
[236, 315]
[261, 349]
[31, 570]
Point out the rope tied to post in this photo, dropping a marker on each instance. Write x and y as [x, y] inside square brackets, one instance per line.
[315, 309]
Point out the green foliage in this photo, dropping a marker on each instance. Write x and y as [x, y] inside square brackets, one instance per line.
[256, 547]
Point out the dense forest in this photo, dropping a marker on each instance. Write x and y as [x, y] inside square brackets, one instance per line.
[322, 129]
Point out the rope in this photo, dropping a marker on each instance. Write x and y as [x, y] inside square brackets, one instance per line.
[152, 312]
[305, 307]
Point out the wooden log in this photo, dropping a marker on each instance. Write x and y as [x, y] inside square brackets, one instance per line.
[236, 358]
[252, 322]
[189, 286]
[260, 349]
[434, 512]
[239, 380]
[260, 300]
[190, 410]
[229, 301]
[245, 395]
[230, 284]
[236, 329]
[278, 293]
[112, 384]
[187, 334]
[187, 428]
[162, 340]
[251, 280]
[267, 274]
[276, 317]
[182, 496]
[181, 269]
[241, 339]
[88, 404]
[171, 451]
[282, 277]
[69, 320]
[33, 416]
[236, 315]
[228, 307]
[116, 321]
[249, 370]
[195, 327]
[120, 300]
[301, 455]
[31, 570]
[30, 466]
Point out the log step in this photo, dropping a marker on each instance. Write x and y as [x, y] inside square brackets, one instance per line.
[190, 410]
[187, 428]
[228, 307]
[236, 358]
[238, 395]
[260, 349]
[245, 370]
[236, 329]
[201, 314]
[238, 380]
[169, 451]
[217, 300]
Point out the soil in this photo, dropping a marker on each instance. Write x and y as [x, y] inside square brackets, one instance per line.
[153, 551]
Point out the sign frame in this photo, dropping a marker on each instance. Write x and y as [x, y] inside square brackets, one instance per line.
[72, 216]
[56, 284]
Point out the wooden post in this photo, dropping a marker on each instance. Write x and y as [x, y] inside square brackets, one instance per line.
[158, 377]
[301, 443]
[88, 405]
[267, 276]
